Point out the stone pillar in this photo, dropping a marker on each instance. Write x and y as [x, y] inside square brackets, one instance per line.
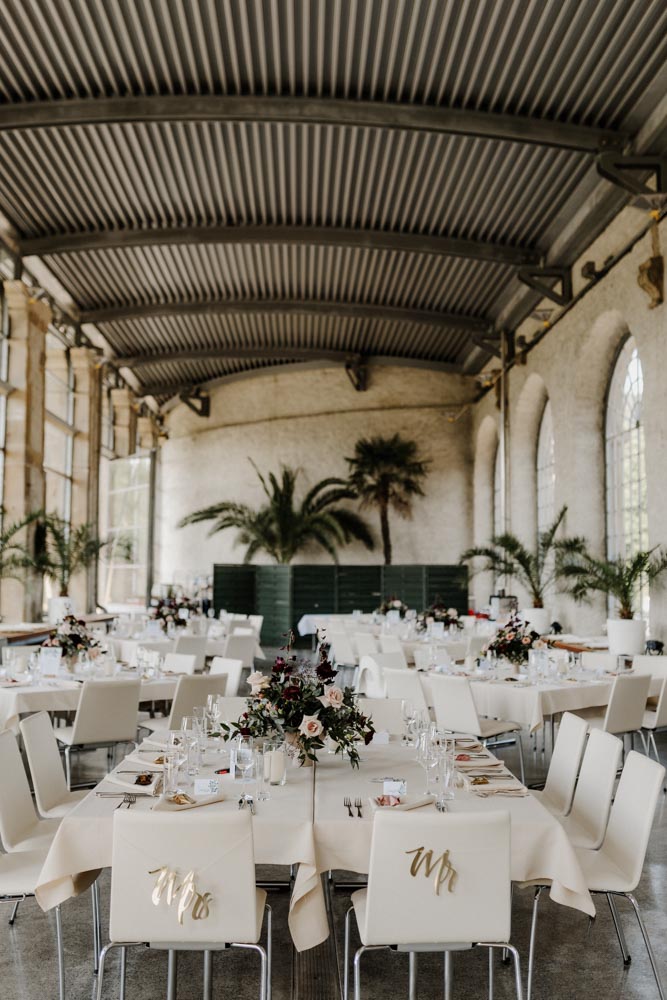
[124, 422]
[147, 434]
[86, 462]
[24, 456]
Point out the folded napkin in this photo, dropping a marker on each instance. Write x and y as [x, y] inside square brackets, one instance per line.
[151, 761]
[150, 744]
[486, 792]
[128, 782]
[11, 682]
[179, 802]
[400, 802]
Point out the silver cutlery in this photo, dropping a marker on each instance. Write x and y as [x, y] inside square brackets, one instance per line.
[128, 801]
[357, 806]
[347, 802]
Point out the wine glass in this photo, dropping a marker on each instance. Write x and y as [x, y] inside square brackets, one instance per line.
[428, 755]
[409, 715]
[245, 761]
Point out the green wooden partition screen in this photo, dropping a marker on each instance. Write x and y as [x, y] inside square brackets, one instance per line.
[283, 594]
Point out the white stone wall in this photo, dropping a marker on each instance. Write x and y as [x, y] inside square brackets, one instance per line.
[311, 420]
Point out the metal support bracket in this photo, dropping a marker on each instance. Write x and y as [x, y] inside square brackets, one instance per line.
[621, 170]
[489, 342]
[357, 372]
[196, 401]
[543, 279]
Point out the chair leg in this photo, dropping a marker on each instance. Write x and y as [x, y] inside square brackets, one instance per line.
[412, 975]
[490, 973]
[172, 973]
[264, 966]
[533, 938]
[208, 969]
[515, 960]
[123, 972]
[269, 949]
[61, 957]
[15, 910]
[520, 746]
[447, 972]
[68, 767]
[346, 954]
[647, 942]
[627, 958]
[97, 936]
[653, 744]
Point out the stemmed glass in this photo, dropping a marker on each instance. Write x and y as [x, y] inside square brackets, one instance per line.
[213, 713]
[429, 753]
[245, 761]
[409, 715]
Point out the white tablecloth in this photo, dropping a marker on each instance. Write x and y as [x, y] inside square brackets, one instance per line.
[305, 823]
[126, 649]
[63, 696]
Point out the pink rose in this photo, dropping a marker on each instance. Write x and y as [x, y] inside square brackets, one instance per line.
[311, 727]
[332, 697]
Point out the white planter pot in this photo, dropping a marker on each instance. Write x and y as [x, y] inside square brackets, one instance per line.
[537, 619]
[626, 636]
[58, 608]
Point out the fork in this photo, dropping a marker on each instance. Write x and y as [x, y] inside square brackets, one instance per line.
[347, 802]
[357, 806]
[128, 801]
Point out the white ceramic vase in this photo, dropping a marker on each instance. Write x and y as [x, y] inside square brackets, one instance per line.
[537, 619]
[626, 635]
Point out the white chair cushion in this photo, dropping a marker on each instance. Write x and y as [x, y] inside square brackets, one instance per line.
[66, 806]
[39, 836]
[19, 872]
[601, 873]
[496, 727]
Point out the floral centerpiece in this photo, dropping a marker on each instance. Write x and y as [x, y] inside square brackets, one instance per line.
[392, 604]
[300, 702]
[73, 637]
[168, 611]
[439, 612]
[514, 641]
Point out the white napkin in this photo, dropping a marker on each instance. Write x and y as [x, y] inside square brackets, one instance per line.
[405, 803]
[489, 791]
[147, 759]
[127, 781]
[166, 804]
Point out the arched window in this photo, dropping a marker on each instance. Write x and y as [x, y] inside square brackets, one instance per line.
[498, 526]
[546, 471]
[627, 523]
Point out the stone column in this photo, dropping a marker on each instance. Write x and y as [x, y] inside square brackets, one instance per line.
[147, 434]
[86, 462]
[24, 454]
[124, 421]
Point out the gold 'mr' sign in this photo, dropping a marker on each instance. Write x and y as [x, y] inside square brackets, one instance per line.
[184, 895]
[442, 866]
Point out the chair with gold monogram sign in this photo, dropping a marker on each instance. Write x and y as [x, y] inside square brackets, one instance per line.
[435, 884]
[186, 881]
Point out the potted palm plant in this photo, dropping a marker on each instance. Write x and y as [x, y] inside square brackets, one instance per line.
[282, 527]
[619, 579]
[537, 570]
[14, 553]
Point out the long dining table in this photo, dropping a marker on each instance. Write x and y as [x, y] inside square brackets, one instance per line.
[305, 823]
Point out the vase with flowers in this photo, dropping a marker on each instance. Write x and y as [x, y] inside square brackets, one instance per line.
[299, 702]
[73, 638]
[174, 612]
[392, 604]
[440, 613]
[513, 642]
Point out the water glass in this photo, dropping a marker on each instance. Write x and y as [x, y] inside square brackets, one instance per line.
[275, 751]
[446, 778]
[193, 753]
[262, 775]
[170, 772]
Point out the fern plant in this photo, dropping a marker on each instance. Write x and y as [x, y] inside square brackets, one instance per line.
[620, 579]
[537, 570]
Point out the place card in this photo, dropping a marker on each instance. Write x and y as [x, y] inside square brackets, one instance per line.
[381, 738]
[394, 786]
[207, 786]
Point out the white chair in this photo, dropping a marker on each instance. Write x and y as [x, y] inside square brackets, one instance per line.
[587, 821]
[655, 719]
[422, 657]
[405, 685]
[240, 628]
[455, 710]
[369, 680]
[191, 692]
[625, 710]
[211, 849]
[193, 645]
[341, 650]
[108, 714]
[232, 708]
[559, 787]
[20, 827]
[391, 644]
[457, 650]
[409, 909]
[656, 666]
[476, 644]
[257, 621]
[241, 647]
[386, 714]
[365, 644]
[180, 663]
[232, 668]
[53, 798]
[616, 867]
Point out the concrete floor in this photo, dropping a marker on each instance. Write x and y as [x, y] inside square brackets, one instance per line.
[574, 958]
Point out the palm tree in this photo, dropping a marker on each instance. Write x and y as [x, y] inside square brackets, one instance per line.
[14, 555]
[281, 526]
[617, 578]
[536, 571]
[386, 473]
[62, 551]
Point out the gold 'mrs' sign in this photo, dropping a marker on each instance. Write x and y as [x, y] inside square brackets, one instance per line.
[184, 895]
[442, 866]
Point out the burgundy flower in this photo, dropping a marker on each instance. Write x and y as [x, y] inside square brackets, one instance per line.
[291, 692]
[368, 736]
[244, 731]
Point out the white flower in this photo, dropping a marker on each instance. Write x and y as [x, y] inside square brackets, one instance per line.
[452, 612]
[258, 682]
[396, 604]
[311, 727]
[332, 697]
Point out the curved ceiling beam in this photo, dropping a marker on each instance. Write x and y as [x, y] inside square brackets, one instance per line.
[320, 111]
[351, 310]
[121, 239]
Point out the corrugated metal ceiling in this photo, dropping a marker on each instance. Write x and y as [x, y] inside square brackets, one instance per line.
[592, 63]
